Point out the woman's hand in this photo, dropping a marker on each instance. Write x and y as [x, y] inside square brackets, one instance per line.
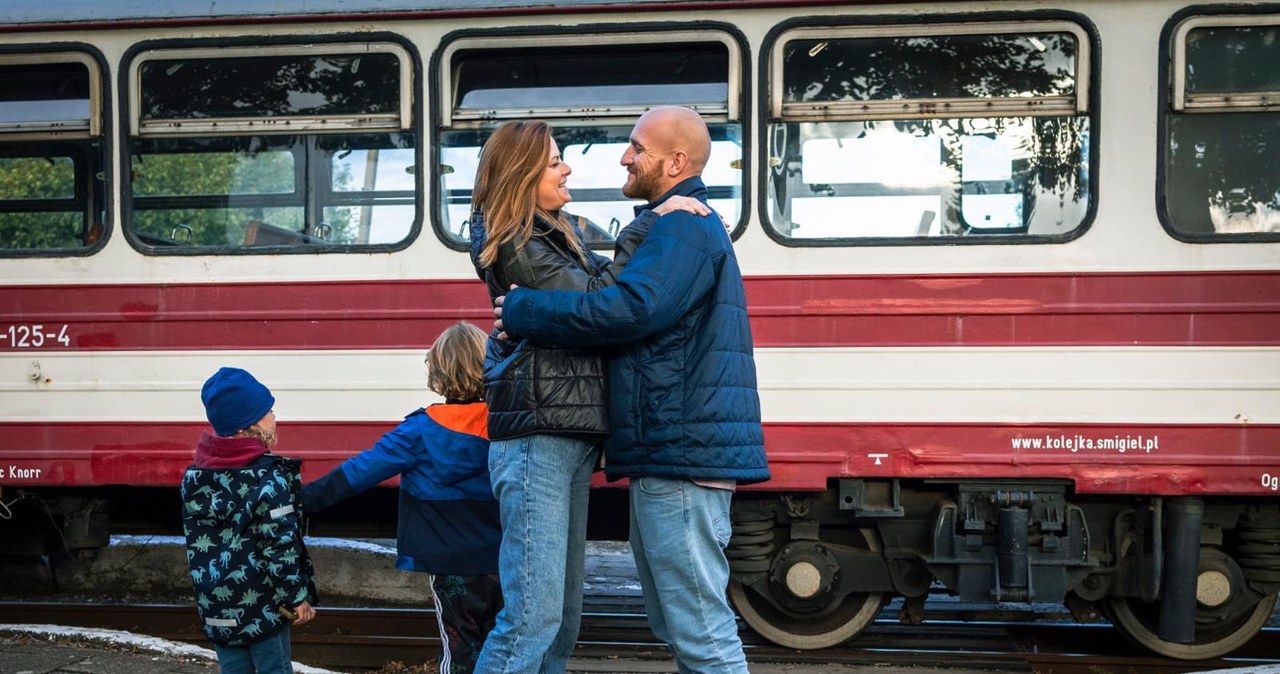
[679, 203]
[688, 204]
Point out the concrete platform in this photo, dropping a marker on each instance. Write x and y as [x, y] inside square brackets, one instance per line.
[155, 567]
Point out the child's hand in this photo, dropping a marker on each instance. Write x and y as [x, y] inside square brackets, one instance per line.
[305, 613]
[679, 203]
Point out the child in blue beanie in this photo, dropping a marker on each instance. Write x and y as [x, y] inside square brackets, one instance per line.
[241, 512]
[449, 526]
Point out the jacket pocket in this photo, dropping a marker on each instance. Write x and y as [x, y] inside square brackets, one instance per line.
[508, 374]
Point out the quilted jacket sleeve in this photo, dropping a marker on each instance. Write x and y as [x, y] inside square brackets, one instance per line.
[395, 453]
[628, 241]
[671, 271]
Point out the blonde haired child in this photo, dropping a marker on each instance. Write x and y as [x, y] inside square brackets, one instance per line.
[448, 525]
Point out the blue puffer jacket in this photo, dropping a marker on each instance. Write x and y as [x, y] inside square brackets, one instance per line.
[683, 400]
[448, 521]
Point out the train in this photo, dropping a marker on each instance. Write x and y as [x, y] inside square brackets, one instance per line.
[1012, 269]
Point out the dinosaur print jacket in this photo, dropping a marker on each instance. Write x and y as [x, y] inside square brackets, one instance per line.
[244, 545]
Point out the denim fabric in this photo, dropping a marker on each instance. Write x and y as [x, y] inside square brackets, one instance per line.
[269, 656]
[541, 483]
[678, 534]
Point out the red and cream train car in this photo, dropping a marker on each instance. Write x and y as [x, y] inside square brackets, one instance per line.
[1013, 268]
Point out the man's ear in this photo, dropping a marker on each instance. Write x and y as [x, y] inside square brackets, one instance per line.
[679, 162]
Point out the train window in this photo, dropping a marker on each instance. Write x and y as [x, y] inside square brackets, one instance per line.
[1221, 160]
[929, 134]
[51, 153]
[591, 92]
[272, 149]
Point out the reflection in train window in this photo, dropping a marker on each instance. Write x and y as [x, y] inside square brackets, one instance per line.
[546, 79]
[1222, 150]
[591, 95]
[51, 153]
[282, 85]
[271, 148]
[939, 134]
[216, 172]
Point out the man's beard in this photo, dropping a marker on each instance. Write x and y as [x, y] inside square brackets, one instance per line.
[646, 185]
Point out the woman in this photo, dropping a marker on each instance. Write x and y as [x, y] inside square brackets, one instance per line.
[547, 406]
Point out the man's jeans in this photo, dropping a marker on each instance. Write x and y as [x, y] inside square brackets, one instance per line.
[269, 656]
[541, 483]
[678, 534]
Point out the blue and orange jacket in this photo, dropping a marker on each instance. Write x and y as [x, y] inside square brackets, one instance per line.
[449, 520]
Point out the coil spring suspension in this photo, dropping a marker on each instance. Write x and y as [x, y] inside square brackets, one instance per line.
[751, 548]
[1259, 547]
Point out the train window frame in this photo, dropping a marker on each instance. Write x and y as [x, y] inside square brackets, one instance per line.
[449, 79]
[729, 122]
[1081, 107]
[318, 142]
[82, 141]
[1210, 109]
[401, 120]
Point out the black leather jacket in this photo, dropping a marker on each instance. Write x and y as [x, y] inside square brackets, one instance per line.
[546, 390]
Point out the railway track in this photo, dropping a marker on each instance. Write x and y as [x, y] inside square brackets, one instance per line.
[366, 638]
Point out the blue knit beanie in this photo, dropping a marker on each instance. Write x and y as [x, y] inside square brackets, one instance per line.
[234, 400]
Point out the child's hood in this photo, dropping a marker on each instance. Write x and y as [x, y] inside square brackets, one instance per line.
[218, 452]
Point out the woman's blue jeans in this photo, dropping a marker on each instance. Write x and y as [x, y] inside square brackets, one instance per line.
[269, 656]
[541, 483]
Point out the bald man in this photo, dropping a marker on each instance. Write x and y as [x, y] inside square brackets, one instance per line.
[667, 145]
[684, 410]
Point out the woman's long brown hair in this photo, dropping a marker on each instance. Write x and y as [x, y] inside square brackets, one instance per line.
[511, 163]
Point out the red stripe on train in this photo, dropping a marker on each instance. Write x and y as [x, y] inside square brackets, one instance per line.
[1099, 458]
[1183, 308]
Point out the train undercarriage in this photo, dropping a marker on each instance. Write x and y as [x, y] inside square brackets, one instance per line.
[1186, 577]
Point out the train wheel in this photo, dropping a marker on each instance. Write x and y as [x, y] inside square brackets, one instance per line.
[1225, 619]
[802, 575]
